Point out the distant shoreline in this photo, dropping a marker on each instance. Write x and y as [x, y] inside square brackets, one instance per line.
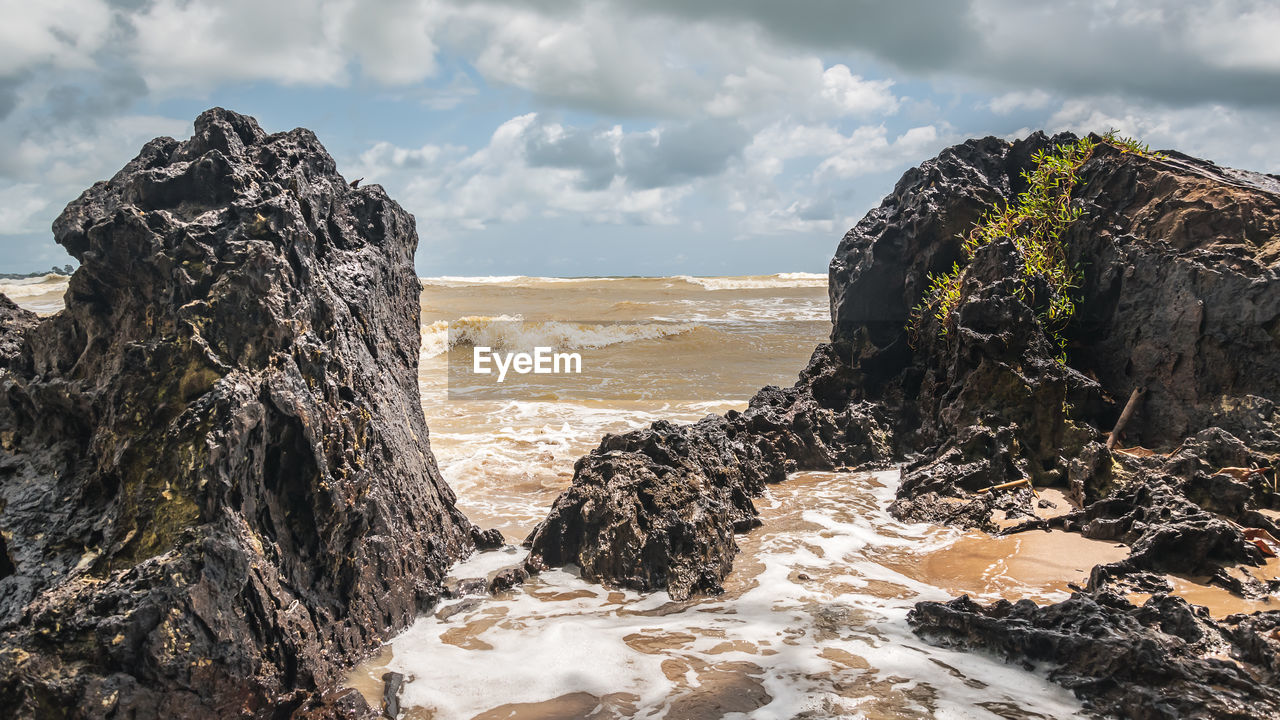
[64, 271]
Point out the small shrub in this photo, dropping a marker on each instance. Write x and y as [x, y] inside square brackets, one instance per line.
[1034, 223]
[1130, 145]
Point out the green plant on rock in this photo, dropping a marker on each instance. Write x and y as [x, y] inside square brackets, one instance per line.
[1034, 223]
[1130, 145]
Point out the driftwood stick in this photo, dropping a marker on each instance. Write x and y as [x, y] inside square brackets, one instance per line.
[1129, 407]
[1026, 481]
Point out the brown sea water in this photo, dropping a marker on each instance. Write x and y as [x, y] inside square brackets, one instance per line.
[41, 294]
[814, 616]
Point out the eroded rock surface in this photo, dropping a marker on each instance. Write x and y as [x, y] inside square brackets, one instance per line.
[14, 324]
[217, 488]
[1178, 274]
[1179, 295]
[1179, 264]
[1163, 660]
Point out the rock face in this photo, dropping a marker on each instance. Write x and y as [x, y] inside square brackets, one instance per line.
[1163, 660]
[1179, 293]
[217, 488]
[14, 323]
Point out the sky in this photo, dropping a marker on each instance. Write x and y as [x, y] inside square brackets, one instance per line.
[618, 137]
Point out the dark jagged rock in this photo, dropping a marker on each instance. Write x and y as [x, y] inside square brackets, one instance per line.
[1165, 660]
[507, 578]
[463, 587]
[490, 539]
[1179, 294]
[657, 508]
[392, 686]
[988, 402]
[1179, 264]
[217, 487]
[1181, 275]
[14, 324]
[344, 703]
[1177, 514]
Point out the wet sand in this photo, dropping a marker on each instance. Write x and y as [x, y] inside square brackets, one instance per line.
[1220, 601]
[1033, 564]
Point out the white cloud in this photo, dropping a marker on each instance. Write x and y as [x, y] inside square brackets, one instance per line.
[1170, 51]
[449, 191]
[801, 86]
[798, 177]
[852, 95]
[1237, 35]
[384, 156]
[184, 44]
[23, 209]
[51, 166]
[869, 149]
[588, 60]
[78, 154]
[534, 168]
[394, 40]
[1018, 100]
[180, 46]
[594, 57]
[64, 33]
[1247, 139]
[764, 111]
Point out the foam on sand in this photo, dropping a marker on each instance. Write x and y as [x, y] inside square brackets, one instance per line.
[807, 624]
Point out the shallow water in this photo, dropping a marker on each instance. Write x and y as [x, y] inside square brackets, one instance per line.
[652, 349]
[813, 619]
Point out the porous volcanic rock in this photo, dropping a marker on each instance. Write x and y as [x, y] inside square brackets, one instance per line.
[1179, 274]
[1180, 295]
[657, 508]
[14, 323]
[217, 489]
[1164, 660]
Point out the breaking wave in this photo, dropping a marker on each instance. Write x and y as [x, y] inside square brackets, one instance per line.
[744, 282]
[513, 332]
[42, 294]
[758, 282]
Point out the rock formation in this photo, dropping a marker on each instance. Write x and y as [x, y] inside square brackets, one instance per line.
[1163, 660]
[1179, 294]
[14, 323]
[657, 508]
[216, 489]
